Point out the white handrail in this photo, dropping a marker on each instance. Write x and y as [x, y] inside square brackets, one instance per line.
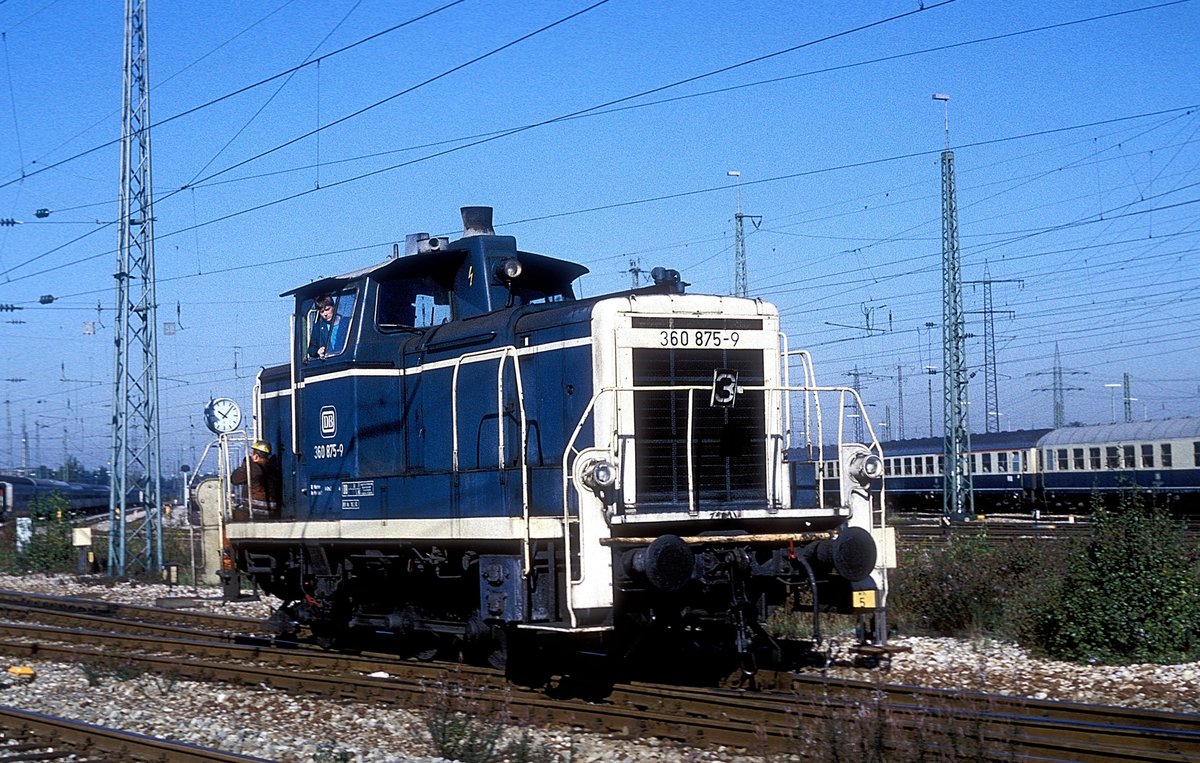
[500, 354]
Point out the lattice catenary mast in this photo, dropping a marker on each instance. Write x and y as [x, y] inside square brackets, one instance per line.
[991, 398]
[957, 494]
[135, 442]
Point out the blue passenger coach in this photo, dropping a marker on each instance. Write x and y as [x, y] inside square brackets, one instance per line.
[1003, 468]
[18, 493]
[488, 456]
[1060, 469]
[1160, 458]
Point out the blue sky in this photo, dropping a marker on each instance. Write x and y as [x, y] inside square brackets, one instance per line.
[1075, 128]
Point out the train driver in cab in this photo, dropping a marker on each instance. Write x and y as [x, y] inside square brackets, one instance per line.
[329, 333]
[261, 473]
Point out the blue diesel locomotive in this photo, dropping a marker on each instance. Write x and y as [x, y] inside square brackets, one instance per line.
[472, 452]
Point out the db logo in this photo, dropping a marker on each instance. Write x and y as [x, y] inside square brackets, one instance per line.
[328, 421]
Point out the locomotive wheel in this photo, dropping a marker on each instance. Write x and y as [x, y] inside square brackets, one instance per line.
[426, 654]
[485, 644]
[527, 664]
[498, 657]
[283, 625]
[324, 638]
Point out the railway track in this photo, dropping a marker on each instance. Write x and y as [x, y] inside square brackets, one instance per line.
[1000, 527]
[113, 612]
[26, 736]
[797, 711]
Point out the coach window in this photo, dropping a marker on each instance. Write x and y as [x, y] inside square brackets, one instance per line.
[1002, 462]
[1014, 460]
[1094, 459]
[1078, 458]
[1130, 461]
[985, 466]
[1165, 449]
[929, 467]
[1196, 453]
[1112, 460]
[918, 465]
[1147, 456]
[908, 466]
[1063, 462]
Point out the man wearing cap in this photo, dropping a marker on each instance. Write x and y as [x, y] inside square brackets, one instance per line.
[261, 473]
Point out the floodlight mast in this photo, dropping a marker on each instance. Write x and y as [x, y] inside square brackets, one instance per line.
[741, 280]
[945, 99]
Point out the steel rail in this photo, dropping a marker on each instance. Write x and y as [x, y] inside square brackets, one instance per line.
[1006, 726]
[773, 721]
[91, 740]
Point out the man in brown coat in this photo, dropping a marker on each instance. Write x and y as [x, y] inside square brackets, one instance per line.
[261, 474]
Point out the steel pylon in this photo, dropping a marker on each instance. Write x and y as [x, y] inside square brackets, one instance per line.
[957, 493]
[135, 500]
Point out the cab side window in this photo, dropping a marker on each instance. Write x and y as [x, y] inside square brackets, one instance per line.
[406, 303]
[328, 320]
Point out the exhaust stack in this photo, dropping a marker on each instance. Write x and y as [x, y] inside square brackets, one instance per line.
[477, 221]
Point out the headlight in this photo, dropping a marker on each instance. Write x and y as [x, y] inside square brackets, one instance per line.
[509, 270]
[865, 467]
[599, 476]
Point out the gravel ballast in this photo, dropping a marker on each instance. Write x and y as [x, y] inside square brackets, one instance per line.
[277, 726]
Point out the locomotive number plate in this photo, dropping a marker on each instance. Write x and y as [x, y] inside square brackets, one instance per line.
[698, 338]
[330, 450]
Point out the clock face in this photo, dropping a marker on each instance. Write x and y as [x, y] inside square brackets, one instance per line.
[223, 415]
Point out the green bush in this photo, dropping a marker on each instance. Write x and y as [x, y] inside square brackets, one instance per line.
[50, 548]
[9, 563]
[1128, 593]
[965, 586]
[1132, 595]
[945, 588]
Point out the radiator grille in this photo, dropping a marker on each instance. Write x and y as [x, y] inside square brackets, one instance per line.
[727, 443]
